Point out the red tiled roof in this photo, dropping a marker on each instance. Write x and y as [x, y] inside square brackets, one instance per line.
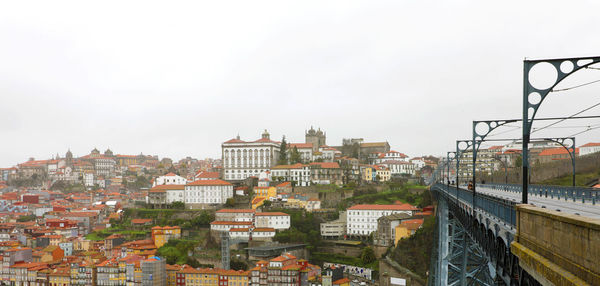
[341, 281]
[264, 229]
[265, 140]
[300, 145]
[326, 165]
[272, 214]
[162, 188]
[591, 144]
[403, 207]
[204, 174]
[170, 174]
[216, 182]
[234, 140]
[284, 184]
[556, 151]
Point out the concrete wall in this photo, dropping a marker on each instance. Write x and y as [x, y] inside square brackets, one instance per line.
[557, 248]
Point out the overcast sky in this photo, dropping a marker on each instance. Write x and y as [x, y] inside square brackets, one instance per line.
[177, 78]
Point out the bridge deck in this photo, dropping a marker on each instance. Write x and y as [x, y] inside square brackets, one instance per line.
[567, 206]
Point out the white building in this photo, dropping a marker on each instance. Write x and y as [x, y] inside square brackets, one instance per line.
[169, 179]
[362, 219]
[305, 150]
[235, 215]
[399, 167]
[105, 166]
[334, 229]
[174, 193]
[589, 148]
[299, 173]
[419, 162]
[276, 220]
[313, 204]
[243, 159]
[208, 192]
[377, 158]
[227, 225]
[326, 153]
[256, 233]
[88, 179]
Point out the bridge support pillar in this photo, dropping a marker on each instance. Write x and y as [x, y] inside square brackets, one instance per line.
[461, 261]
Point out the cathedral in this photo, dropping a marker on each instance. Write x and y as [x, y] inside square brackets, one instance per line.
[317, 138]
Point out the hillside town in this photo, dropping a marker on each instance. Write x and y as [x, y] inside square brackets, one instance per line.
[266, 212]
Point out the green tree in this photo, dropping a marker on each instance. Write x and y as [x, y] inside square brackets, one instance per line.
[368, 255]
[267, 203]
[283, 159]
[25, 218]
[177, 205]
[295, 156]
[230, 202]
[203, 219]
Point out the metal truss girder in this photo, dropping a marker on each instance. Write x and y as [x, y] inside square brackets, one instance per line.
[461, 261]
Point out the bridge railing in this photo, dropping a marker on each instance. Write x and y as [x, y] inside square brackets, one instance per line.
[575, 194]
[502, 209]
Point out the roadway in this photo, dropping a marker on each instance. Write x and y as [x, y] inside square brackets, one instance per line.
[578, 208]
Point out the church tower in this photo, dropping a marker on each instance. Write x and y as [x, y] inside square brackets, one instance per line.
[315, 137]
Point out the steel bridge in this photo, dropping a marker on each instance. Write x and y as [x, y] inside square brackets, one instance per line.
[508, 234]
[474, 244]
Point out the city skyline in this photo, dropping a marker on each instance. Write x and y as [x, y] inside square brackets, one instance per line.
[182, 79]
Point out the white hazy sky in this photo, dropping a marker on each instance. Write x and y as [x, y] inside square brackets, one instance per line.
[177, 78]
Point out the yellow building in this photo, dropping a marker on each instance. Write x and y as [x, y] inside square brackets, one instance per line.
[162, 234]
[60, 277]
[257, 202]
[407, 228]
[367, 173]
[82, 245]
[172, 274]
[293, 202]
[214, 277]
[382, 174]
[265, 192]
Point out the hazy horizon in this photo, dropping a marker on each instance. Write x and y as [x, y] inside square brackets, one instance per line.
[177, 80]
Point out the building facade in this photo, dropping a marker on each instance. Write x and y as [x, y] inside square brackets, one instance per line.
[243, 159]
[362, 219]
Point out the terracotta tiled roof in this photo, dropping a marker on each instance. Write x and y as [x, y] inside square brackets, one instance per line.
[162, 188]
[341, 281]
[209, 183]
[264, 229]
[326, 165]
[591, 144]
[294, 166]
[235, 140]
[300, 145]
[272, 214]
[284, 184]
[556, 151]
